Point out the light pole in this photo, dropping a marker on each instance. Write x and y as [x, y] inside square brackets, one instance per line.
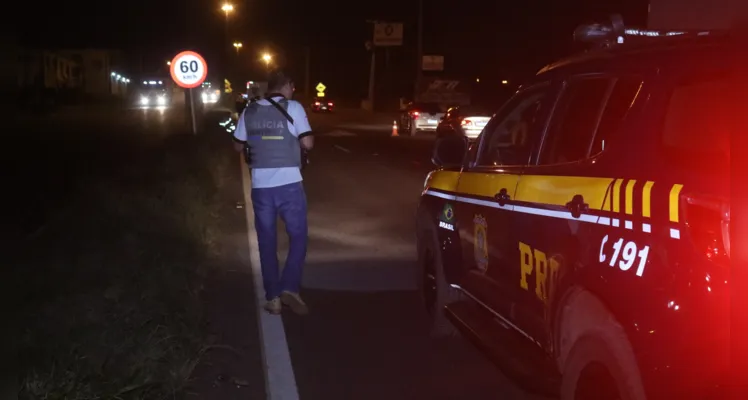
[237, 46]
[227, 9]
[419, 49]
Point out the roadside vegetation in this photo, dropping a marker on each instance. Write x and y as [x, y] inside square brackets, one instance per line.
[110, 289]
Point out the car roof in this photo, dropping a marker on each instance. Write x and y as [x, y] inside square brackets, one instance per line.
[640, 54]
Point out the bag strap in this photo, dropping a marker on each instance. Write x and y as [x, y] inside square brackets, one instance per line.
[280, 108]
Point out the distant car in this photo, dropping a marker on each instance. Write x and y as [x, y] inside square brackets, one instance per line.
[320, 104]
[153, 92]
[210, 96]
[467, 121]
[416, 117]
[154, 98]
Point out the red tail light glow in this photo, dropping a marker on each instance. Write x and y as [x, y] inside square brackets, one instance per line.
[329, 104]
[415, 113]
[316, 103]
[708, 222]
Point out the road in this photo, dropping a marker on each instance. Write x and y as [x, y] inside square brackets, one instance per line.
[364, 338]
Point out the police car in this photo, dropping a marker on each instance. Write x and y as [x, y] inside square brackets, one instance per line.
[583, 241]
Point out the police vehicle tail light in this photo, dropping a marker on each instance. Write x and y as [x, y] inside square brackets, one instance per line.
[708, 222]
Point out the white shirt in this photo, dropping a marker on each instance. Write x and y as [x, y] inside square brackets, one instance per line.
[273, 177]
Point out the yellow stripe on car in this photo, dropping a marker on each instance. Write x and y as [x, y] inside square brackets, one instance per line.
[443, 180]
[630, 196]
[617, 195]
[674, 202]
[647, 199]
[487, 184]
[559, 190]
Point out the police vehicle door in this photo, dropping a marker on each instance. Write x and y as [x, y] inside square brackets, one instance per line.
[485, 195]
[567, 194]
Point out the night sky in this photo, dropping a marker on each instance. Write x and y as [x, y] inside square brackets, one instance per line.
[491, 40]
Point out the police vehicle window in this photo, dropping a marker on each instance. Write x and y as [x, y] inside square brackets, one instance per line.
[575, 121]
[695, 128]
[508, 136]
[623, 97]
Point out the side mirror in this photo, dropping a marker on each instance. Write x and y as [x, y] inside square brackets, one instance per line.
[450, 151]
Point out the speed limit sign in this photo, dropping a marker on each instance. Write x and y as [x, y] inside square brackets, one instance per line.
[188, 69]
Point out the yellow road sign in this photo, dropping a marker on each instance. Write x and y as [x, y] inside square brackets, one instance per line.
[320, 94]
[320, 87]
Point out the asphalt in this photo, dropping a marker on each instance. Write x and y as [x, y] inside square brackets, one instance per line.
[365, 337]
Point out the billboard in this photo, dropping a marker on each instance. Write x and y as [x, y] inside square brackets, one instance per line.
[443, 91]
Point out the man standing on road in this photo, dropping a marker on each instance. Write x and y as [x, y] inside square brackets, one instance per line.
[275, 130]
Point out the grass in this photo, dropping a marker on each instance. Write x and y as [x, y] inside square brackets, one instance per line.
[111, 290]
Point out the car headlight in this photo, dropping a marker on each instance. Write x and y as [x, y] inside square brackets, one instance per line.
[161, 100]
[144, 101]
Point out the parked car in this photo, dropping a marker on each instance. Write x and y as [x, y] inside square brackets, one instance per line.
[467, 121]
[583, 242]
[321, 104]
[418, 117]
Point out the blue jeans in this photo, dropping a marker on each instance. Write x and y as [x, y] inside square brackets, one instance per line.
[288, 202]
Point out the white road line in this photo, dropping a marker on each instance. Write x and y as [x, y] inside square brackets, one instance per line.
[280, 381]
[341, 148]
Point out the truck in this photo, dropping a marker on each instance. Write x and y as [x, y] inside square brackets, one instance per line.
[446, 92]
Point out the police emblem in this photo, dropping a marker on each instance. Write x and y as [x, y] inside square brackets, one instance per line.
[480, 238]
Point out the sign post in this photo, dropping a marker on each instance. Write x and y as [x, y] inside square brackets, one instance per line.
[432, 63]
[388, 34]
[192, 111]
[189, 70]
[320, 89]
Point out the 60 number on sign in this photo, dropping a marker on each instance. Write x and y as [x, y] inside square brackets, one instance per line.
[188, 69]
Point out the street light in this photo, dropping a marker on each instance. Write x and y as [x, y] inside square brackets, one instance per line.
[168, 63]
[267, 58]
[237, 46]
[227, 8]
[505, 82]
